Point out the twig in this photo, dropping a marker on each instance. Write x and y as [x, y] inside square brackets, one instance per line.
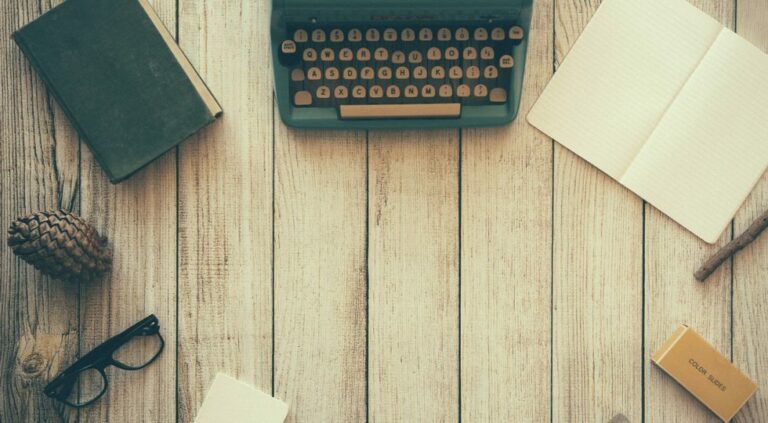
[732, 247]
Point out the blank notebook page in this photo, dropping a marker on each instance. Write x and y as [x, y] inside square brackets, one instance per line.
[667, 101]
[711, 146]
[620, 76]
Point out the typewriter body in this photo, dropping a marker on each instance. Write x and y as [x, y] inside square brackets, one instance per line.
[399, 63]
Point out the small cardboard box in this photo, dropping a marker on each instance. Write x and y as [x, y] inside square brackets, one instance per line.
[704, 372]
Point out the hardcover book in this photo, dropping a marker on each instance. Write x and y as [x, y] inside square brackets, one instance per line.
[120, 78]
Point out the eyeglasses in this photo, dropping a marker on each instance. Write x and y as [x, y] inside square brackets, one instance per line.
[85, 381]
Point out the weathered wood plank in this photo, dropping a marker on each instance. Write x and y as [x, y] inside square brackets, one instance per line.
[750, 267]
[139, 218]
[598, 238]
[673, 296]
[225, 204]
[320, 274]
[39, 169]
[506, 253]
[413, 276]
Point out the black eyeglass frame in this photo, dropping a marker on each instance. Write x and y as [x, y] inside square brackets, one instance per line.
[100, 358]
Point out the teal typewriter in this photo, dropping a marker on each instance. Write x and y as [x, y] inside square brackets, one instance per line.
[369, 64]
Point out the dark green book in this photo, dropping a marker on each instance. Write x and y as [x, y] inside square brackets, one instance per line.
[121, 79]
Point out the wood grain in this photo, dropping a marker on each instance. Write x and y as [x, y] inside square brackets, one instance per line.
[597, 281]
[506, 253]
[750, 266]
[413, 259]
[673, 296]
[225, 204]
[320, 274]
[39, 170]
[139, 218]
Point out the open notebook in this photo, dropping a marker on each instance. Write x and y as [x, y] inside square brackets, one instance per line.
[668, 102]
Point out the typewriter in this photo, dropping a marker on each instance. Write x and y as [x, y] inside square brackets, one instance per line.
[399, 63]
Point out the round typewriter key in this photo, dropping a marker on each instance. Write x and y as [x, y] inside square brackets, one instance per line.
[385, 72]
[366, 73]
[355, 35]
[434, 53]
[473, 72]
[302, 98]
[402, 72]
[451, 53]
[318, 36]
[445, 90]
[358, 91]
[481, 34]
[419, 72]
[407, 34]
[414, 57]
[363, 54]
[487, 53]
[323, 92]
[455, 72]
[376, 91]
[350, 73]
[300, 36]
[427, 91]
[337, 35]
[327, 55]
[345, 54]
[297, 75]
[443, 34]
[309, 55]
[480, 90]
[506, 61]
[498, 34]
[393, 91]
[438, 72]
[340, 92]
[490, 72]
[425, 34]
[390, 34]
[314, 74]
[463, 90]
[515, 33]
[411, 91]
[398, 57]
[381, 54]
[498, 95]
[331, 73]
[288, 47]
[470, 53]
[462, 34]
[372, 35]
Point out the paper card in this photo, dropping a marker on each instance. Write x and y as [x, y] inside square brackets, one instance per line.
[231, 401]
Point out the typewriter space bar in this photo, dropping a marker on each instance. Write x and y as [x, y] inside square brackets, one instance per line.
[400, 111]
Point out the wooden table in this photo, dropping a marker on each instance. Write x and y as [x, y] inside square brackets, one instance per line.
[422, 276]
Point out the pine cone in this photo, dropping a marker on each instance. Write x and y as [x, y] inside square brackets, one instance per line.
[61, 245]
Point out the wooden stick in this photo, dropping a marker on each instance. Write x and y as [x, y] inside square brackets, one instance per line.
[732, 247]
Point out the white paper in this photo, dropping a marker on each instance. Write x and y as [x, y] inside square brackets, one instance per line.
[667, 101]
[231, 401]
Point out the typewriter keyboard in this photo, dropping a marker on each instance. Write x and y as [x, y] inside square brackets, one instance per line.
[384, 72]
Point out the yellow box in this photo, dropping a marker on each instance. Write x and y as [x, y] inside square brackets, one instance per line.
[704, 372]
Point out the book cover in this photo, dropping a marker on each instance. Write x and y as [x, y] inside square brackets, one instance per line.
[122, 81]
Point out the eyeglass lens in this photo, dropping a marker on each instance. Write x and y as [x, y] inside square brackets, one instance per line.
[83, 387]
[138, 351]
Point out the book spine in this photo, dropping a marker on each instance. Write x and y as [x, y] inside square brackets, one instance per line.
[18, 38]
[214, 108]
